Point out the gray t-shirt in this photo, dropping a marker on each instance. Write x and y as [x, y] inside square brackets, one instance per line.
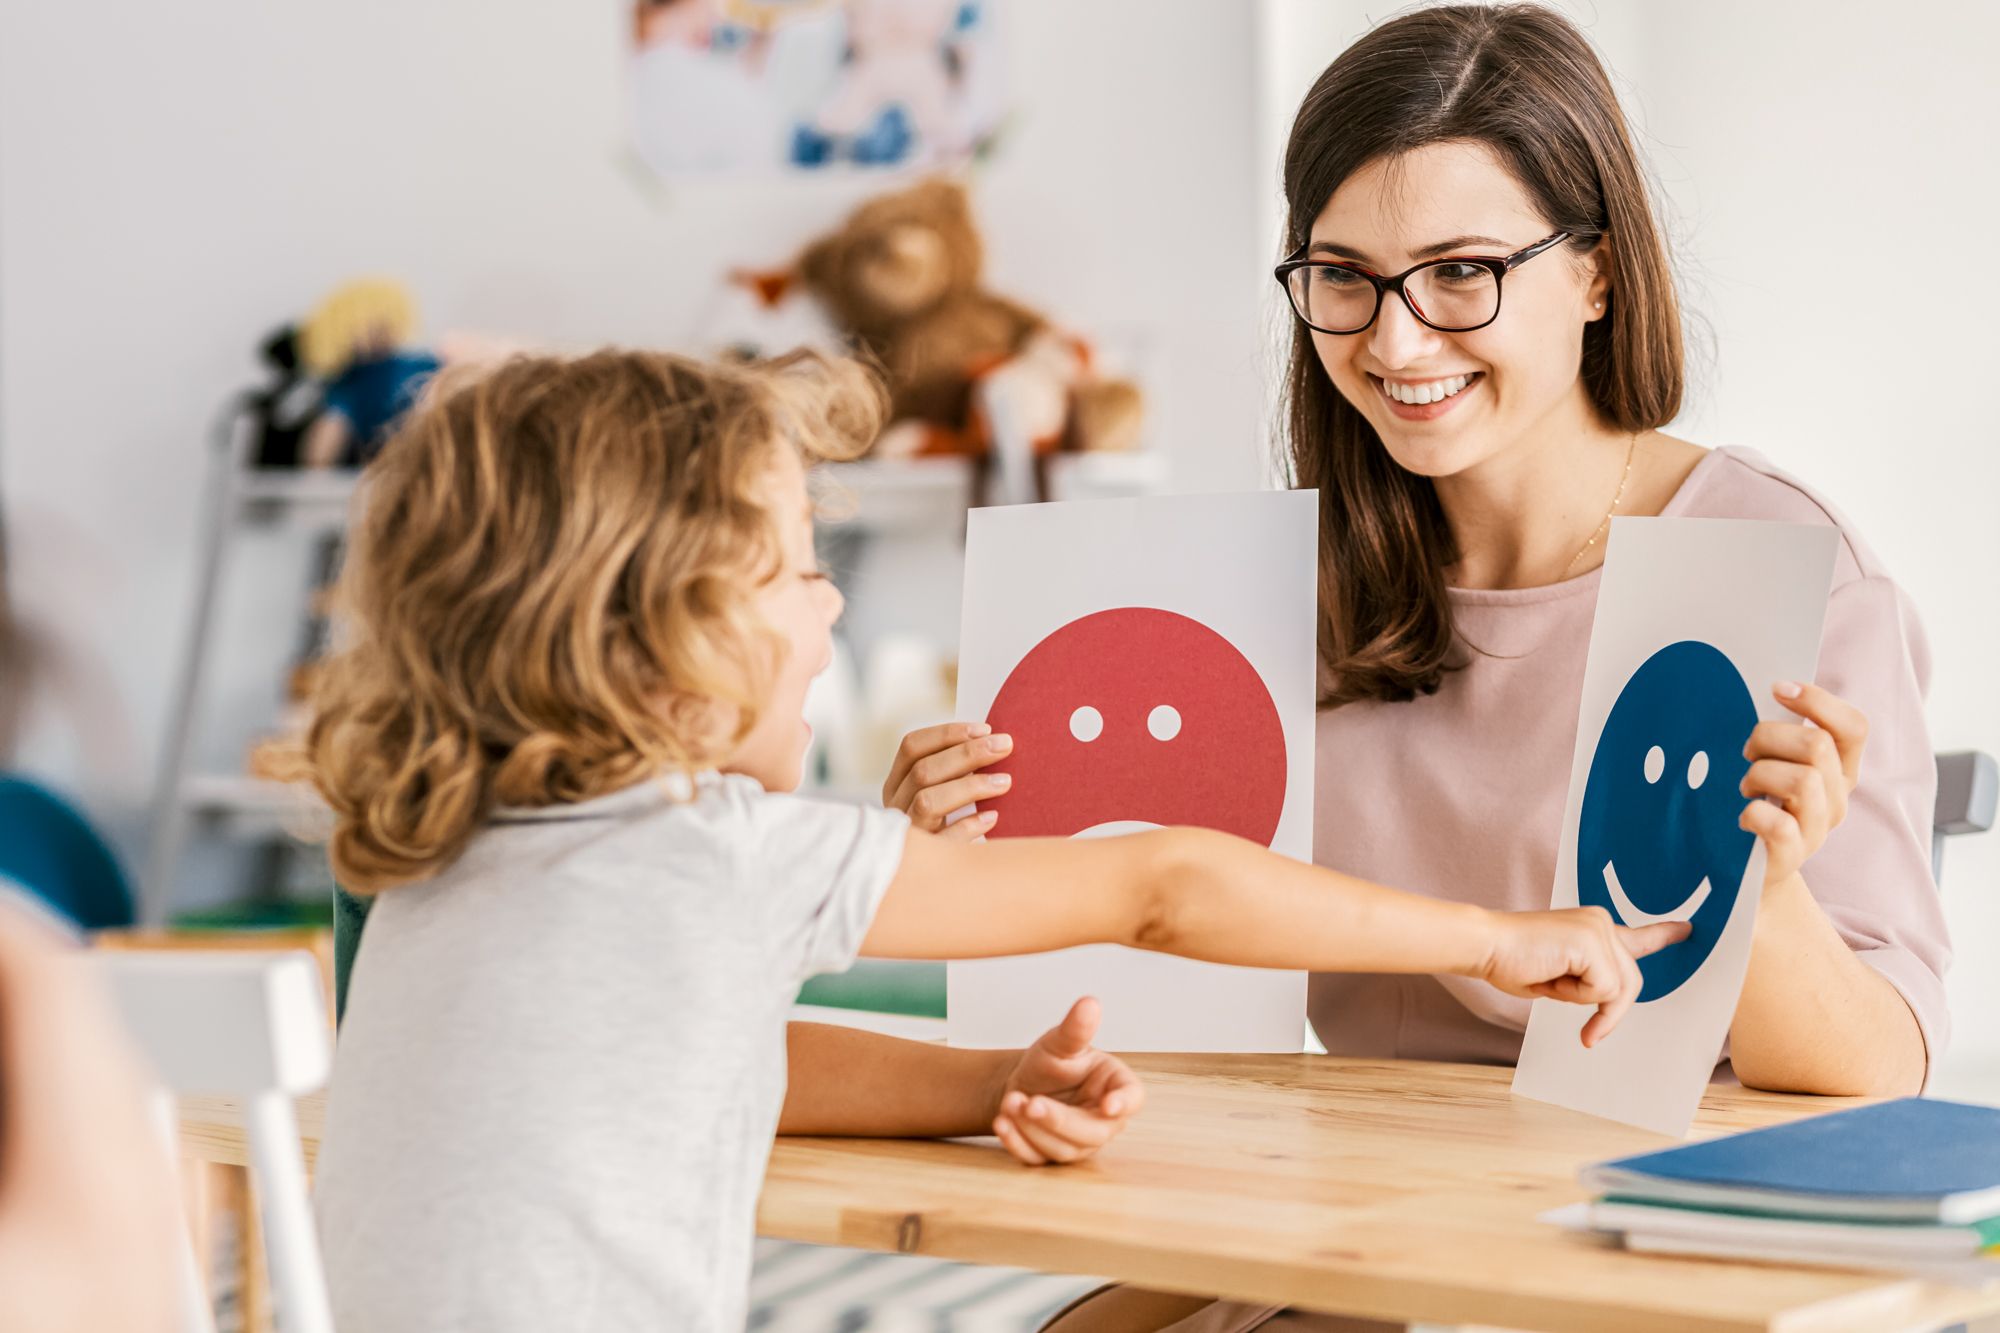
[563, 1059]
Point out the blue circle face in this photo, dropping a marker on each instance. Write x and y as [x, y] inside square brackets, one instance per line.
[1657, 840]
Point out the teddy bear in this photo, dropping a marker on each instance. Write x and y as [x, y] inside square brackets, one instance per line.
[968, 371]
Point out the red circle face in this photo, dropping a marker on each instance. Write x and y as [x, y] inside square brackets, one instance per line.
[1138, 715]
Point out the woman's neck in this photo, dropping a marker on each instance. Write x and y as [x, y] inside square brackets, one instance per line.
[1527, 516]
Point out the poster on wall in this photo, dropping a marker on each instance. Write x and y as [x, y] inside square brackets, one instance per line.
[757, 87]
[1696, 620]
[1153, 661]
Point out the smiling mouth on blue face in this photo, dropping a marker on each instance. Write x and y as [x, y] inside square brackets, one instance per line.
[1658, 838]
[1632, 914]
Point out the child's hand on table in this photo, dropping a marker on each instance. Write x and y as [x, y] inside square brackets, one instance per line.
[1065, 1099]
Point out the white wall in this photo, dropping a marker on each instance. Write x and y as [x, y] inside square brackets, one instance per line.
[1810, 153]
[1817, 153]
[176, 183]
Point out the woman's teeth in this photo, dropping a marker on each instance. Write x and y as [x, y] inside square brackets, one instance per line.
[1431, 391]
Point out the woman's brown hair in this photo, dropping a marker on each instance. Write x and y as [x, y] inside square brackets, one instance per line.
[548, 592]
[1523, 81]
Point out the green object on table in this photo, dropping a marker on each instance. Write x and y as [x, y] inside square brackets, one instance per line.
[882, 987]
[280, 914]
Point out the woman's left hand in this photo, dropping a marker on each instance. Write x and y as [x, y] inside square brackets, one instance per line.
[1808, 769]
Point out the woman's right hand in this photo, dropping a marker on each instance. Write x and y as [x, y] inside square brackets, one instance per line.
[1580, 956]
[937, 771]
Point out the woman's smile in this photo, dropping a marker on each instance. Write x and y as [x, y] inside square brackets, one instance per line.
[1428, 399]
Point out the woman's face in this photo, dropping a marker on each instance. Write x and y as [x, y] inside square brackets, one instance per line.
[1520, 373]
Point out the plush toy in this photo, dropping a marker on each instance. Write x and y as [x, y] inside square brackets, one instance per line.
[356, 342]
[967, 370]
[283, 410]
[761, 313]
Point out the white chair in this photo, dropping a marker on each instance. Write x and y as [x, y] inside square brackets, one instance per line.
[251, 1026]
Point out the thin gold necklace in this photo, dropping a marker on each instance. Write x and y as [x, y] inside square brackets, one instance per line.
[1631, 451]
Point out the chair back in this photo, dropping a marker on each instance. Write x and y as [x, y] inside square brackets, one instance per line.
[252, 1026]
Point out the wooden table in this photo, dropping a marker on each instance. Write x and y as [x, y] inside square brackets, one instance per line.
[1389, 1189]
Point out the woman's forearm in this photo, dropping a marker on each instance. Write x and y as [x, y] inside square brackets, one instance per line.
[1815, 1018]
[846, 1081]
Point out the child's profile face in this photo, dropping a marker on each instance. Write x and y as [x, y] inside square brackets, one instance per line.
[801, 604]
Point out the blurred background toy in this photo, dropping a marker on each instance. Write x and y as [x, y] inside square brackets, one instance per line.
[970, 372]
[282, 411]
[357, 342]
[760, 313]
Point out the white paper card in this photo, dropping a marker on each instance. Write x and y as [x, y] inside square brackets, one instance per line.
[1154, 661]
[1696, 620]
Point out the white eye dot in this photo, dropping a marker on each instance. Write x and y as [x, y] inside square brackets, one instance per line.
[1656, 763]
[1698, 769]
[1086, 724]
[1164, 722]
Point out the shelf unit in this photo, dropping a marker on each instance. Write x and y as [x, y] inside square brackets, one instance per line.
[237, 496]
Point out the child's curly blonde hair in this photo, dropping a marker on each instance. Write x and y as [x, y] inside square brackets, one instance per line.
[548, 594]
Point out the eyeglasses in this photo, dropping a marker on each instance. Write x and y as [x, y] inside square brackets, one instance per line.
[1452, 295]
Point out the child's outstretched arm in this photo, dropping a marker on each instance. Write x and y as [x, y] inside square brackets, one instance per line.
[1058, 1101]
[1211, 896]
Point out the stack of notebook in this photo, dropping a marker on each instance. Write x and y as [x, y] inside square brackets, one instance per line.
[1910, 1186]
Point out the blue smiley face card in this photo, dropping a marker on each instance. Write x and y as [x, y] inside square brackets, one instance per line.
[1696, 620]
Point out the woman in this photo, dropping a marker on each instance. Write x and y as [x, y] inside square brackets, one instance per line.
[1470, 454]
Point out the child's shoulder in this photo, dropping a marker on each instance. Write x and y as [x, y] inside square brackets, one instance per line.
[788, 828]
[662, 799]
[678, 816]
[805, 873]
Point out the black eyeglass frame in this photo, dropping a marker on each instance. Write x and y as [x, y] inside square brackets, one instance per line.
[1499, 268]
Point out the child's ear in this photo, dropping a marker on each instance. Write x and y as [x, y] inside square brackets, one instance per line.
[706, 729]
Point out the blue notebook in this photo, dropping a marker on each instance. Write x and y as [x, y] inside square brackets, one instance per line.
[1917, 1159]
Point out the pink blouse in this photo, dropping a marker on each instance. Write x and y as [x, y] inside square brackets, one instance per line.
[1460, 794]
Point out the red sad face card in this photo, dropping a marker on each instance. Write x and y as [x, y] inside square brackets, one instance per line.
[1137, 717]
[1153, 661]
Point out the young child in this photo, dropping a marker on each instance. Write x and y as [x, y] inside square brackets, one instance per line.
[585, 611]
